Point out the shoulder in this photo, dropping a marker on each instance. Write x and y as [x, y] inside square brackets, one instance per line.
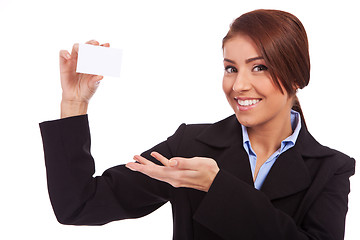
[204, 135]
[325, 156]
[341, 161]
[193, 130]
[219, 134]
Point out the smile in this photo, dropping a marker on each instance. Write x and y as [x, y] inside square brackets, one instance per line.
[246, 103]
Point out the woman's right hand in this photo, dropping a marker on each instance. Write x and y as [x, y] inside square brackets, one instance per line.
[77, 88]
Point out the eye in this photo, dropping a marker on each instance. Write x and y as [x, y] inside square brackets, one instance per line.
[259, 68]
[230, 69]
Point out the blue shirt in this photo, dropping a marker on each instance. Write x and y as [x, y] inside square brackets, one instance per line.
[286, 144]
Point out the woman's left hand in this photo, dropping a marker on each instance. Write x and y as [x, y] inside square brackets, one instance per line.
[196, 172]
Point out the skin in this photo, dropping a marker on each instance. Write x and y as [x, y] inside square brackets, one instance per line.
[245, 78]
[197, 172]
[78, 88]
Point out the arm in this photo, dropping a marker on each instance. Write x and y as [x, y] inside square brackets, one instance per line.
[234, 209]
[79, 198]
[76, 196]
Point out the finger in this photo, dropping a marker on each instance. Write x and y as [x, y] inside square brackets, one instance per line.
[105, 45]
[95, 79]
[138, 167]
[95, 82]
[140, 164]
[132, 166]
[153, 171]
[98, 78]
[64, 55]
[93, 42]
[185, 163]
[75, 50]
[160, 158]
[142, 160]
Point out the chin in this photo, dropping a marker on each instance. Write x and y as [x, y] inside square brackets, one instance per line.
[245, 121]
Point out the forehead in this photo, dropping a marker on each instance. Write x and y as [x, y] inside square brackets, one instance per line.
[240, 47]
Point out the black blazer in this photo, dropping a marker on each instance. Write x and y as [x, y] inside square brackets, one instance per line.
[304, 196]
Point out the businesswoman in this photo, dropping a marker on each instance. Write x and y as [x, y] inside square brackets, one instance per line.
[257, 174]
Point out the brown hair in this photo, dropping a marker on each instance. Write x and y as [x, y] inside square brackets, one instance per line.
[281, 38]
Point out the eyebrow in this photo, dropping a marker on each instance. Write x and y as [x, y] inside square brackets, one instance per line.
[246, 61]
[228, 60]
[253, 59]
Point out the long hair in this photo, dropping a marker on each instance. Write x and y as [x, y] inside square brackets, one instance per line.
[281, 38]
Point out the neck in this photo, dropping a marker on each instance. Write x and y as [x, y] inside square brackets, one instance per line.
[266, 138]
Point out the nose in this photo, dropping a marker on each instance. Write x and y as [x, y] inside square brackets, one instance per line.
[242, 83]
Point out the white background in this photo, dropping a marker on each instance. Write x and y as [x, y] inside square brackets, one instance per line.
[171, 73]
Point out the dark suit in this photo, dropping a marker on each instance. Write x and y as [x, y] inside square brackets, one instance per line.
[304, 196]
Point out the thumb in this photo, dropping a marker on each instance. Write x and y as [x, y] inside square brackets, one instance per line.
[95, 81]
[180, 162]
[93, 84]
[173, 162]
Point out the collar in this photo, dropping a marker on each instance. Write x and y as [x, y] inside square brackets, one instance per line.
[286, 143]
[228, 132]
[288, 175]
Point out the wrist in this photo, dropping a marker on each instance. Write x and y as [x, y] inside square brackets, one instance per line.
[73, 108]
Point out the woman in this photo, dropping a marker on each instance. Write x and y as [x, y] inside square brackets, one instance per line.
[258, 174]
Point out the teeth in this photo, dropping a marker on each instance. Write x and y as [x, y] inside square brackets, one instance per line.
[248, 102]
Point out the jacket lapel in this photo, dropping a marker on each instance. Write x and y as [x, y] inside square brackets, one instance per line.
[236, 161]
[226, 137]
[288, 175]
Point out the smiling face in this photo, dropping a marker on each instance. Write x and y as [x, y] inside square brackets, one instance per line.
[248, 87]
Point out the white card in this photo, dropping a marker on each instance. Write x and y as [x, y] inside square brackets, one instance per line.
[99, 60]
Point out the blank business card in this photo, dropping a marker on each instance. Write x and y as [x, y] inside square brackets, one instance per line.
[99, 60]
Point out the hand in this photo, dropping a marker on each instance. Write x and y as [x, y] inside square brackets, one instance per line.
[196, 172]
[77, 88]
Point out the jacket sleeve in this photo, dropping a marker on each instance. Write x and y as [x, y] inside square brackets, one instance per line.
[238, 211]
[77, 197]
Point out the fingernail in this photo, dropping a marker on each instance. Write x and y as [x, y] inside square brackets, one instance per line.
[67, 56]
[130, 168]
[173, 163]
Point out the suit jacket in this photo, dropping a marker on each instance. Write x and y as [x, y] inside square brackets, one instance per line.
[304, 196]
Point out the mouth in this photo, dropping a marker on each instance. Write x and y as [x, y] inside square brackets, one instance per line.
[246, 104]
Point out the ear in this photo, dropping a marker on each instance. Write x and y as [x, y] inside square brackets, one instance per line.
[296, 87]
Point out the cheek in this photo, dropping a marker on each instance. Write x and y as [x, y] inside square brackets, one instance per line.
[265, 87]
[227, 86]
[276, 98]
